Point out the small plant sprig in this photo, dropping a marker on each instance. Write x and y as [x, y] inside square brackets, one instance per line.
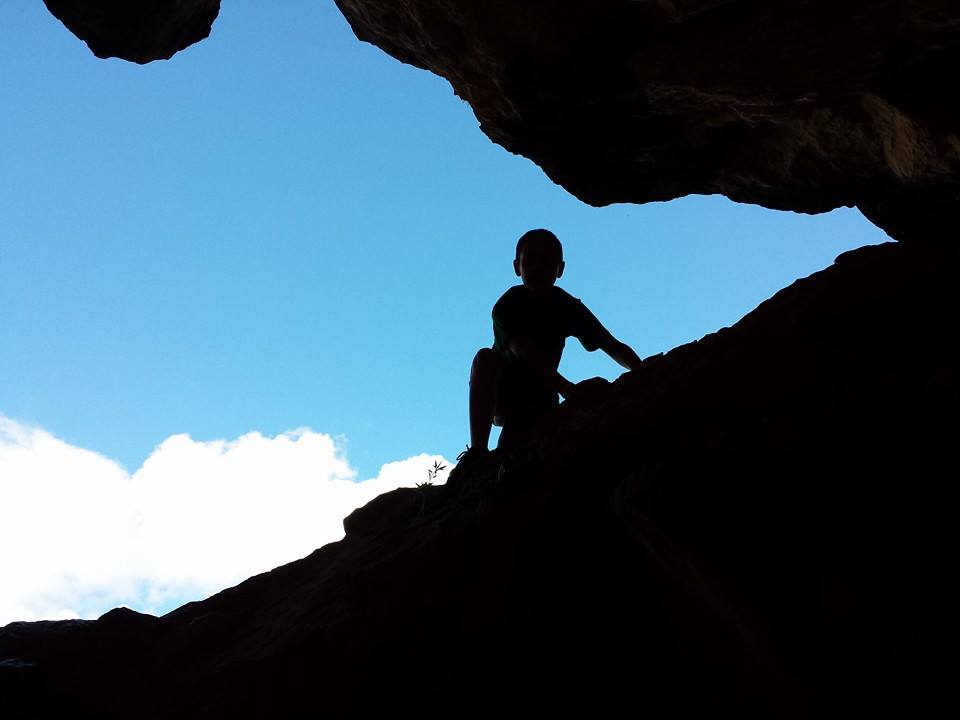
[432, 473]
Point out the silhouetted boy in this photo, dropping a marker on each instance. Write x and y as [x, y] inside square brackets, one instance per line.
[516, 382]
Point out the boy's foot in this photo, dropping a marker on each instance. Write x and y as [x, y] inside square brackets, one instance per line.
[466, 461]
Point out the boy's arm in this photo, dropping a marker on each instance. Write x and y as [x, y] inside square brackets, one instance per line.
[594, 336]
[533, 358]
[621, 353]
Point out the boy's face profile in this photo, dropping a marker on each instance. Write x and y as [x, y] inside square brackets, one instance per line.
[538, 265]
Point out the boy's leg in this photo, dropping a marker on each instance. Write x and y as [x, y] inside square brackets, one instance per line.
[484, 380]
[516, 431]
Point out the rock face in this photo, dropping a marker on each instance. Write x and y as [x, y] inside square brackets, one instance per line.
[753, 525]
[802, 105]
[138, 31]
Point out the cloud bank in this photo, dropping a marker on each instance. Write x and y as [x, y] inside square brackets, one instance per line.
[80, 535]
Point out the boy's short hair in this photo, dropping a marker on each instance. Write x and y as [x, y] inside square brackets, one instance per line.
[539, 235]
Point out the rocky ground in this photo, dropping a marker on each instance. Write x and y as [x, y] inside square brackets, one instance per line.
[755, 524]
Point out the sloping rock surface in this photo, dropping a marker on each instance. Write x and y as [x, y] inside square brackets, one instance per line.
[753, 525]
[137, 30]
[802, 105]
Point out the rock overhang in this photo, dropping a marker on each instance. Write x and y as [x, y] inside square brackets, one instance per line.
[797, 105]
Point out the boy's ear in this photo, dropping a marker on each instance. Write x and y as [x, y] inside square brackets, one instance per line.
[516, 266]
[560, 268]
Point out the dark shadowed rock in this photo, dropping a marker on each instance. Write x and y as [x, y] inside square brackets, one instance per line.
[802, 105]
[753, 525]
[137, 30]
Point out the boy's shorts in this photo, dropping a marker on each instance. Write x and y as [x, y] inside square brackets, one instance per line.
[521, 402]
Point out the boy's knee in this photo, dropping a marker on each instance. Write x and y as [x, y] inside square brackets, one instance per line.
[485, 362]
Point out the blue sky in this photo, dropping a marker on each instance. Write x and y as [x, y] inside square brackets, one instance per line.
[283, 228]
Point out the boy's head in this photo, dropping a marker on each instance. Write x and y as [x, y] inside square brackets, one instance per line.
[539, 258]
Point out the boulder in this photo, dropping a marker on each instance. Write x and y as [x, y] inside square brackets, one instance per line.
[140, 31]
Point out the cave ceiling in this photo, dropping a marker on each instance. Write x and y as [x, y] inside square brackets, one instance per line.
[803, 105]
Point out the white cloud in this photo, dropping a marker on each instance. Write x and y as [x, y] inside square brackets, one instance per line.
[80, 535]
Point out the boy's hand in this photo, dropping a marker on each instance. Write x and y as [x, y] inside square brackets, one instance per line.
[622, 354]
[535, 360]
[586, 388]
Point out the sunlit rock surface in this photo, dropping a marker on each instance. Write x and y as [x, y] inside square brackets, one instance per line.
[802, 105]
[137, 30]
[757, 524]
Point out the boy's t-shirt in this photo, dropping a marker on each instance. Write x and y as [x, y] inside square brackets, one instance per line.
[547, 324]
